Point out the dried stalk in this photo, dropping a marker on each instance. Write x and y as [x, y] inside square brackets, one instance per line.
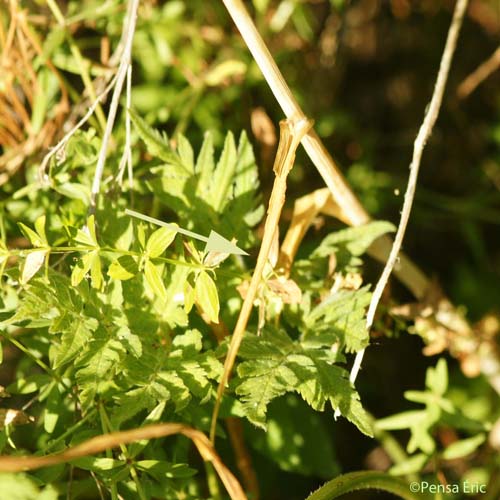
[291, 133]
[352, 211]
[105, 442]
[409, 274]
[483, 71]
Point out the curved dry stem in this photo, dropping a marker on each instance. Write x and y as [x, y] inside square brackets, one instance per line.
[105, 442]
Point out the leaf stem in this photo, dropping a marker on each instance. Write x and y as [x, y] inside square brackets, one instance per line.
[71, 430]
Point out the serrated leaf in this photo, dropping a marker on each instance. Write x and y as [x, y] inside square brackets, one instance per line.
[73, 341]
[174, 377]
[223, 196]
[206, 296]
[156, 144]
[159, 241]
[348, 244]
[339, 318]
[275, 365]
[154, 280]
[186, 152]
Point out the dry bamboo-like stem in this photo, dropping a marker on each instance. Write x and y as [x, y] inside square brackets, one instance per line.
[353, 212]
[105, 442]
[311, 142]
[483, 71]
[409, 274]
[418, 148]
[291, 133]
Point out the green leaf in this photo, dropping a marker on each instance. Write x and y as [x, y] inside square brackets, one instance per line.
[348, 244]
[463, 447]
[275, 365]
[410, 466]
[29, 384]
[437, 378]
[224, 197]
[206, 296]
[403, 420]
[89, 262]
[339, 318]
[159, 241]
[225, 70]
[33, 262]
[153, 277]
[74, 340]
[365, 480]
[160, 469]
[161, 376]
[88, 237]
[97, 464]
[40, 229]
[124, 268]
[156, 143]
[19, 486]
[35, 239]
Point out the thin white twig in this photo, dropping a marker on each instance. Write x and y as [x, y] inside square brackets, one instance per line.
[129, 29]
[126, 159]
[418, 147]
[43, 166]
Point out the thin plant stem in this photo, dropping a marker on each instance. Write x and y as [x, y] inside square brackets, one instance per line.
[98, 444]
[481, 73]
[129, 30]
[291, 133]
[78, 126]
[355, 214]
[126, 454]
[418, 148]
[53, 444]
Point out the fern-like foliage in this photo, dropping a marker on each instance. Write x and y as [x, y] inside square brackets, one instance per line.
[340, 318]
[275, 364]
[204, 194]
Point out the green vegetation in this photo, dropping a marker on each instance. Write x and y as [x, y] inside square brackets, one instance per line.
[112, 328]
